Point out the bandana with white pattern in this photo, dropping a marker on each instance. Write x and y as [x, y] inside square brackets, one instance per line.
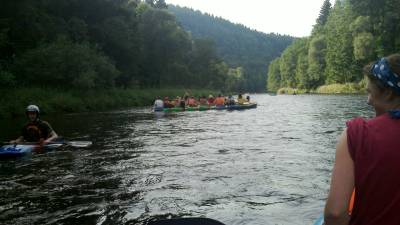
[382, 71]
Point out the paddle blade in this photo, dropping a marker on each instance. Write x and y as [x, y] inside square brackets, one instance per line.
[187, 221]
[79, 144]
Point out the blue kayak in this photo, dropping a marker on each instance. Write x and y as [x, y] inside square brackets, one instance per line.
[10, 151]
[237, 106]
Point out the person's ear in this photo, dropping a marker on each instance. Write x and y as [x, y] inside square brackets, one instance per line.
[389, 95]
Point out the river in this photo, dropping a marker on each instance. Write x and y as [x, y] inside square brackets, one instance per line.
[269, 165]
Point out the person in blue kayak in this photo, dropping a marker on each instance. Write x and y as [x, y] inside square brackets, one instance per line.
[36, 130]
[368, 155]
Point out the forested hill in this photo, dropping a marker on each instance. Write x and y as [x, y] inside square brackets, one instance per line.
[346, 36]
[104, 44]
[248, 50]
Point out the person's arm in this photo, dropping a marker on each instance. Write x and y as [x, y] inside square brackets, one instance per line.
[20, 139]
[53, 135]
[342, 185]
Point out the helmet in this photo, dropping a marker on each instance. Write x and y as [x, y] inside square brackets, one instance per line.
[32, 108]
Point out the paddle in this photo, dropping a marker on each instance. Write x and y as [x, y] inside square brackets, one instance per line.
[187, 221]
[76, 144]
[320, 220]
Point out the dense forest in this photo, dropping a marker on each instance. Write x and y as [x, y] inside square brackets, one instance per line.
[247, 50]
[346, 36]
[103, 44]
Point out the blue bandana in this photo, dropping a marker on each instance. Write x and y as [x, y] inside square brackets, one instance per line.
[381, 70]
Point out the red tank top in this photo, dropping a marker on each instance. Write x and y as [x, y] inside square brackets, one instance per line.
[374, 146]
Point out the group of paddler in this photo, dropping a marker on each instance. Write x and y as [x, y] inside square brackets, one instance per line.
[191, 101]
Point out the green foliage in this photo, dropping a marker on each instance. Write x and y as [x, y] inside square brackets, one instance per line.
[302, 76]
[103, 44]
[344, 39]
[324, 13]
[274, 76]
[235, 80]
[361, 24]
[364, 47]
[65, 64]
[6, 78]
[290, 71]
[340, 66]
[347, 88]
[316, 61]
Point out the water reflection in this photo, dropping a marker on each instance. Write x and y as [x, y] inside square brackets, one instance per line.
[269, 165]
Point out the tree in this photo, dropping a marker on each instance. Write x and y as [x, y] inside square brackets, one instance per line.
[316, 61]
[324, 13]
[340, 66]
[274, 76]
[66, 65]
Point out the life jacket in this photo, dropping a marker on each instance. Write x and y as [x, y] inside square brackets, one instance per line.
[34, 131]
[219, 101]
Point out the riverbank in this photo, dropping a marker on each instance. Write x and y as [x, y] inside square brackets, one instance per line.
[51, 100]
[347, 88]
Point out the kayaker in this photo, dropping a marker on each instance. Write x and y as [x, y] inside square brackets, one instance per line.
[241, 100]
[36, 130]
[177, 101]
[158, 103]
[231, 100]
[219, 101]
[368, 155]
[192, 102]
[203, 100]
[248, 98]
[167, 103]
[182, 103]
[210, 100]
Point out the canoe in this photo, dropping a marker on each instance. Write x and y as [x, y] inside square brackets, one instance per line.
[243, 106]
[237, 106]
[10, 151]
[190, 109]
[176, 109]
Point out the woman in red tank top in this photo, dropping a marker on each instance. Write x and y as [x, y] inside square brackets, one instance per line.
[368, 155]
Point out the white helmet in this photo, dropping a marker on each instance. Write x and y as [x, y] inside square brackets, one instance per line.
[32, 108]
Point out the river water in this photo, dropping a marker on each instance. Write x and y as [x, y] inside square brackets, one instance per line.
[269, 165]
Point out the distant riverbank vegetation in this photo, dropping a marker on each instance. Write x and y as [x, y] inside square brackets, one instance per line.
[345, 37]
[347, 88]
[70, 56]
[50, 100]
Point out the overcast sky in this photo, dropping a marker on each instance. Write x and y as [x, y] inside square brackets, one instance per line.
[292, 17]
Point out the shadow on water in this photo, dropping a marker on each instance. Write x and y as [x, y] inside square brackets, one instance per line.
[269, 165]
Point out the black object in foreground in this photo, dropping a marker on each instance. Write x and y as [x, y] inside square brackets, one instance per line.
[187, 221]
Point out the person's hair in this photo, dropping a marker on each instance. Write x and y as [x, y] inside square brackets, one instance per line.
[394, 65]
